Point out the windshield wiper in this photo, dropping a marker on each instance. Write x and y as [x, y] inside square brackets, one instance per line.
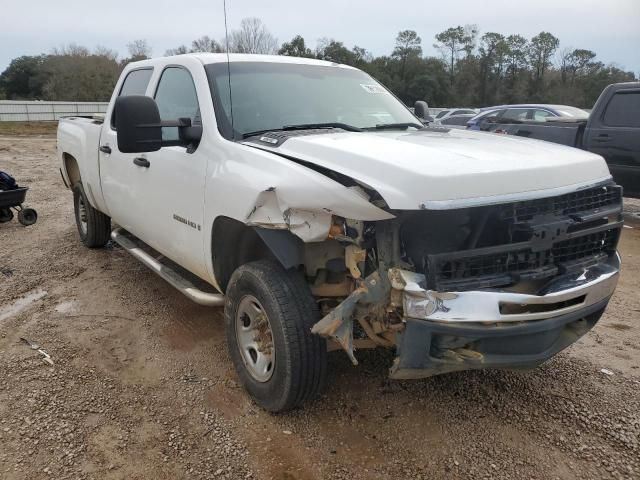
[307, 126]
[304, 126]
[392, 126]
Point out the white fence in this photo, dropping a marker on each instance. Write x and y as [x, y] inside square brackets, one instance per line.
[23, 111]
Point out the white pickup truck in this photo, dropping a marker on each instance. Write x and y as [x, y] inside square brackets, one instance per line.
[307, 200]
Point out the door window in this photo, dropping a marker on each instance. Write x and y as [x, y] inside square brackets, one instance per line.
[541, 115]
[136, 82]
[462, 112]
[176, 98]
[514, 114]
[456, 120]
[623, 110]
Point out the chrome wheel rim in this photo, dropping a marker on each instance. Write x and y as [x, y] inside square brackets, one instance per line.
[82, 215]
[255, 338]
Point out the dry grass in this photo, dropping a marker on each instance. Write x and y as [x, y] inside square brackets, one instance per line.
[27, 129]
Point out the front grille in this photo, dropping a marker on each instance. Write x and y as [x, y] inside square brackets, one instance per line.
[504, 244]
[588, 200]
[580, 247]
[498, 266]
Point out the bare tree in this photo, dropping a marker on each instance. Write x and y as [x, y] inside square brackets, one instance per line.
[206, 44]
[181, 50]
[139, 49]
[252, 37]
[71, 50]
[102, 51]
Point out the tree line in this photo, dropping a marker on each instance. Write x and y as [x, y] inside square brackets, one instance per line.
[470, 68]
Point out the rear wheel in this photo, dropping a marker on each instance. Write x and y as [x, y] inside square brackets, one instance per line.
[269, 313]
[27, 216]
[94, 226]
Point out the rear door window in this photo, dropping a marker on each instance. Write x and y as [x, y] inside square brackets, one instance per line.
[136, 82]
[623, 110]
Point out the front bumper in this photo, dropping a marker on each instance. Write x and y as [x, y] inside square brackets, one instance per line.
[565, 294]
[451, 331]
[428, 348]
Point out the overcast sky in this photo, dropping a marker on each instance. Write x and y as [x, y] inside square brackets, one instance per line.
[611, 28]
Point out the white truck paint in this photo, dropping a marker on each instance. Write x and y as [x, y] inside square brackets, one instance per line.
[334, 190]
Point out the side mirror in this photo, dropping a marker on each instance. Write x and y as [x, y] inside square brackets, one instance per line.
[188, 133]
[138, 124]
[421, 109]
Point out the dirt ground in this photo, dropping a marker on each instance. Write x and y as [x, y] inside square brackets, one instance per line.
[142, 387]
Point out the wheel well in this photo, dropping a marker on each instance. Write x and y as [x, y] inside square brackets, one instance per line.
[72, 169]
[233, 244]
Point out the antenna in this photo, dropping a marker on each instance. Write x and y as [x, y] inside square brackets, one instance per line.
[226, 38]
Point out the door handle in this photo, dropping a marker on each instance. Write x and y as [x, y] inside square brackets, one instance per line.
[602, 138]
[105, 148]
[141, 162]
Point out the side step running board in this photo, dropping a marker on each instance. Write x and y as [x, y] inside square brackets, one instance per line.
[170, 275]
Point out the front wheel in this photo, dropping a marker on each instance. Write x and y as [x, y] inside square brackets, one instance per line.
[269, 313]
[94, 226]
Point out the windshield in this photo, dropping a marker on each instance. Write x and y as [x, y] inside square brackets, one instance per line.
[272, 96]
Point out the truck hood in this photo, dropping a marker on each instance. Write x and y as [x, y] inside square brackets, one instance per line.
[448, 169]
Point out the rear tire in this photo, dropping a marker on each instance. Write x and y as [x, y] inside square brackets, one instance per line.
[94, 227]
[299, 358]
[27, 216]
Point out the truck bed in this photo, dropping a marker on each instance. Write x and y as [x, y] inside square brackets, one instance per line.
[564, 132]
[78, 141]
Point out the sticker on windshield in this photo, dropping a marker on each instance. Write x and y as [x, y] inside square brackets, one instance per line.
[373, 88]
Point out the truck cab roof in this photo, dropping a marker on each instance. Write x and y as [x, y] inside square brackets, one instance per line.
[209, 58]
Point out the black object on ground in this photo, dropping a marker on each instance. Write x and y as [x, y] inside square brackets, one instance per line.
[12, 196]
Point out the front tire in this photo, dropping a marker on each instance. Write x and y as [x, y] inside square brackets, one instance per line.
[269, 313]
[94, 226]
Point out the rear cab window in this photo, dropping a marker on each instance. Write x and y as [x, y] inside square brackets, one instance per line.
[135, 83]
[623, 110]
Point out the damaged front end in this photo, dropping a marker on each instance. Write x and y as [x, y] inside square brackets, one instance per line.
[500, 286]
